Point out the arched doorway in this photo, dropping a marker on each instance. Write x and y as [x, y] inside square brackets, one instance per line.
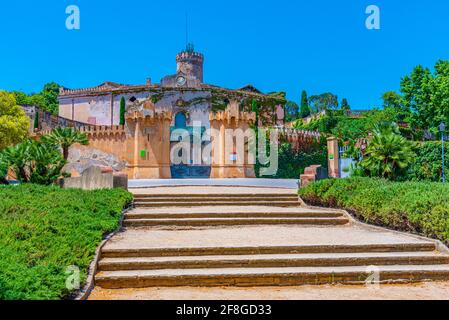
[185, 161]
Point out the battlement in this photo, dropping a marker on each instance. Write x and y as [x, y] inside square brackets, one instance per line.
[232, 113]
[298, 135]
[299, 139]
[142, 115]
[190, 56]
[103, 88]
[102, 129]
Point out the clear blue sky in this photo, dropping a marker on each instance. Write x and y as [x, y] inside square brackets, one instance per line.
[288, 45]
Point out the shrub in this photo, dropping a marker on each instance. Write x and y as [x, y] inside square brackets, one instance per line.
[35, 162]
[428, 164]
[388, 154]
[44, 230]
[420, 207]
[291, 164]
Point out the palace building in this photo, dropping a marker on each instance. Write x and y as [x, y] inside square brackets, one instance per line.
[154, 111]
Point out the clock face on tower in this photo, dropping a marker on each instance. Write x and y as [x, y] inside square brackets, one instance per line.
[181, 81]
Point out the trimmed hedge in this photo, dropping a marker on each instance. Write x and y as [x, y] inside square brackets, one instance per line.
[44, 230]
[418, 207]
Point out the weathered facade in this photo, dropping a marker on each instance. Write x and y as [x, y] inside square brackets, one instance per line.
[149, 141]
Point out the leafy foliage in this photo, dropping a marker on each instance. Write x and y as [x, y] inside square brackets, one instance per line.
[323, 102]
[419, 207]
[34, 162]
[44, 230]
[305, 108]
[293, 163]
[14, 124]
[65, 138]
[423, 101]
[347, 129]
[291, 111]
[47, 99]
[428, 162]
[388, 154]
[345, 105]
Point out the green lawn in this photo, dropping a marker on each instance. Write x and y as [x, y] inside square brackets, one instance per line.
[420, 207]
[44, 230]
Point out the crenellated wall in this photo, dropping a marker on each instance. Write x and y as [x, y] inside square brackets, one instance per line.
[299, 139]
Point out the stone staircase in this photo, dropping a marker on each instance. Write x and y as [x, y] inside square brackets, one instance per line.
[191, 200]
[256, 240]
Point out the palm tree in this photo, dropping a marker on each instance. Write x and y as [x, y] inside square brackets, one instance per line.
[46, 165]
[388, 154]
[4, 166]
[65, 138]
[17, 158]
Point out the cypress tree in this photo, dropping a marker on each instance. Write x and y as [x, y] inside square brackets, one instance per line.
[345, 105]
[122, 111]
[36, 120]
[305, 108]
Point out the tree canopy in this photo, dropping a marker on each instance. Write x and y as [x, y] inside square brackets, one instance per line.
[324, 102]
[14, 123]
[423, 101]
[47, 99]
[305, 108]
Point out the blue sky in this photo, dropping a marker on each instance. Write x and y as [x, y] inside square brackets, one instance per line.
[282, 45]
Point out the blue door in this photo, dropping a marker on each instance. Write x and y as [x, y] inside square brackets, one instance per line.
[187, 170]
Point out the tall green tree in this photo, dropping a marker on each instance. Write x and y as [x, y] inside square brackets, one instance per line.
[14, 123]
[50, 95]
[305, 108]
[47, 99]
[36, 121]
[324, 102]
[64, 138]
[423, 101]
[291, 111]
[345, 106]
[122, 111]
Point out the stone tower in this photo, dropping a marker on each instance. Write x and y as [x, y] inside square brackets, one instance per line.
[190, 64]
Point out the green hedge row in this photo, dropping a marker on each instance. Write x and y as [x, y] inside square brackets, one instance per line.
[45, 230]
[419, 207]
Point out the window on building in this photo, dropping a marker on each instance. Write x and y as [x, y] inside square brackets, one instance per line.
[181, 120]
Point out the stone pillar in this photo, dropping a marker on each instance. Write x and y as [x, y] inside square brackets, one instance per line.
[224, 165]
[165, 171]
[137, 136]
[151, 143]
[333, 157]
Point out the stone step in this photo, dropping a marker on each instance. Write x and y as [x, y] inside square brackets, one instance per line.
[300, 249]
[211, 199]
[219, 203]
[215, 195]
[231, 214]
[249, 277]
[272, 261]
[233, 221]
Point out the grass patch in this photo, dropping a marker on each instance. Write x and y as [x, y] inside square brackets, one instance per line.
[44, 230]
[418, 207]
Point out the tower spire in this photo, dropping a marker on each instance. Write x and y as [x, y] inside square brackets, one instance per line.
[187, 29]
[189, 46]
